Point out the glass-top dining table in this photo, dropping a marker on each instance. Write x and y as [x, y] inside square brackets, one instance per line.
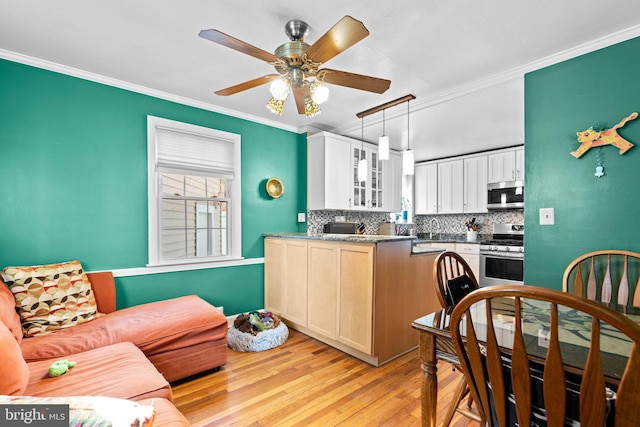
[436, 344]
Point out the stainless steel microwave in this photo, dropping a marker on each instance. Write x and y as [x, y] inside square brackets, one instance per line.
[505, 195]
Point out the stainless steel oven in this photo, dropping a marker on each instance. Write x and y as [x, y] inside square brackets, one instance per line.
[502, 257]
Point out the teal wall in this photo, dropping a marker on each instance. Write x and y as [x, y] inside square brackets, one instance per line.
[74, 184]
[597, 89]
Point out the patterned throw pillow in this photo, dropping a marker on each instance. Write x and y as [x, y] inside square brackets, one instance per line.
[51, 297]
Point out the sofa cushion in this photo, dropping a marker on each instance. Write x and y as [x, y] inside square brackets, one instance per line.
[51, 297]
[14, 373]
[8, 314]
[119, 370]
[93, 410]
[156, 327]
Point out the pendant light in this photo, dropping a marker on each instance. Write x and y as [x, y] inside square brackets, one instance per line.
[383, 142]
[362, 162]
[408, 159]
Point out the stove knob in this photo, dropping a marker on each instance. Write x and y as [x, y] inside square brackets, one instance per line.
[521, 249]
[494, 248]
[507, 249]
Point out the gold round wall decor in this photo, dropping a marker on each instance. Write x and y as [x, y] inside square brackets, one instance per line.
[275, 188]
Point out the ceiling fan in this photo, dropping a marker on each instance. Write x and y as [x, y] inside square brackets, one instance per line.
[298, 65]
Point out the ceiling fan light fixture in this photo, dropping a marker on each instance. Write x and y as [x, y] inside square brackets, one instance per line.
[319, 92]
[311, 108]
[276, 106]
[279, 89]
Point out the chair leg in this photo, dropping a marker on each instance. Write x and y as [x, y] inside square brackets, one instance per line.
[461, 391]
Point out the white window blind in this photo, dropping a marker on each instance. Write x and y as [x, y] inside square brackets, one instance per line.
[192, 152]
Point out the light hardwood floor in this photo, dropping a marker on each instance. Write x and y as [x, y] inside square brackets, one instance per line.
[307, 383]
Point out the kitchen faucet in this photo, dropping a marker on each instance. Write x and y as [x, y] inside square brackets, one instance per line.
[431, 226]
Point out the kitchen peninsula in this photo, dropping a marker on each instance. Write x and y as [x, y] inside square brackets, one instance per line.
[357, 293]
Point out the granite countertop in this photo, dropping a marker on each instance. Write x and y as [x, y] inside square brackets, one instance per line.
[448, 238]
[360, 238]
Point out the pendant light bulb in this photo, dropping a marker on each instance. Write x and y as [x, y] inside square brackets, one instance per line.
[383, 142]
[408, 159]
[362, 163]
[362, 170]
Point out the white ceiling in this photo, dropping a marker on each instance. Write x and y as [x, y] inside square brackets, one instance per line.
[464, 60]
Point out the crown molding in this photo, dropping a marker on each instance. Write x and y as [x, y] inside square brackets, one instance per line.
[352, 126]
[86, 75]
[498, 78]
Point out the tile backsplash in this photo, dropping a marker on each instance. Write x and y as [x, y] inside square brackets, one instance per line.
[449, 223]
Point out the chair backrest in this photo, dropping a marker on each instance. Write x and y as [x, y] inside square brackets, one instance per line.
[449, 265]
[610, 277]
[478, 325]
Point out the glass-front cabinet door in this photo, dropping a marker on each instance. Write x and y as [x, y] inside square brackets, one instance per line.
[359, 187]
[367, 195]
[375, 176]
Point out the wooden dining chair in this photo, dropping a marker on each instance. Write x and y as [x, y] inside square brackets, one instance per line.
[450, 265]
[572, 375]
[610, 277]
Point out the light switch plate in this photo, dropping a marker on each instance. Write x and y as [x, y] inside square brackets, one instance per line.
[301, 217]
[546, 216]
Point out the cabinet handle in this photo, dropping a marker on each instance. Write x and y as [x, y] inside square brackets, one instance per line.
[513, 175]
[349, 201]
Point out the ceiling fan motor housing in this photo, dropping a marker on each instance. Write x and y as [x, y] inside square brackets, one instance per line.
[296, 30]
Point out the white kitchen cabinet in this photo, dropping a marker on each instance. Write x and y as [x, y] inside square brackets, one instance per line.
[475, 184]
[470, 252]
[332, 182]
[507, 165]
[392, 183]
[426, 189]
[329, 172]
[450, 186]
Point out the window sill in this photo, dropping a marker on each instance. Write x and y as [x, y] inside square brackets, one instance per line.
[169, 268]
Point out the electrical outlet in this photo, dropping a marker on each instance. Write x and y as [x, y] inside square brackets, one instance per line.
[543, 337]
[301, 217]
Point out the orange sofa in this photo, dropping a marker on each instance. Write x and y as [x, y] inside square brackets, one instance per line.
[131, 353]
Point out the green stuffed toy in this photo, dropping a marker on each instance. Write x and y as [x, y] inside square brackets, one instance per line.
[60, 367]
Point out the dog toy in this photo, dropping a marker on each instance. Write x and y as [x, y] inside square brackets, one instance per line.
[60, 367]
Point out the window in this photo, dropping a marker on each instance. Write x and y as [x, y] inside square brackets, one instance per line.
[194, 193]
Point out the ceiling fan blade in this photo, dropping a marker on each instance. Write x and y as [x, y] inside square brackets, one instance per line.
[247, 85]
[340, 37]
[355, 81]
[228, 41]
[299, 94]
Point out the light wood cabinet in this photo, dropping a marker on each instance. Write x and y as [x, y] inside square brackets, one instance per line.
[358, 297]
[323, 288]
[355, 296]
[286, 278]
